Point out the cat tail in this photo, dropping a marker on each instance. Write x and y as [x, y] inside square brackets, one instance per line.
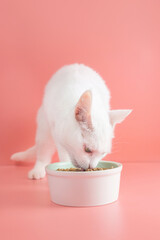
[29, 154]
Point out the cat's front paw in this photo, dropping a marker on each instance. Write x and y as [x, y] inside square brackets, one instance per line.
[37, 173]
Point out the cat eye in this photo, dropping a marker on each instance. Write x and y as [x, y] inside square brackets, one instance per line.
[87, 150]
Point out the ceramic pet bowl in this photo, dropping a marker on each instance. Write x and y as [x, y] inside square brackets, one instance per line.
[84, 188]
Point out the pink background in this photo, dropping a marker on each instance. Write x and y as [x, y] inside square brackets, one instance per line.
[119, 39]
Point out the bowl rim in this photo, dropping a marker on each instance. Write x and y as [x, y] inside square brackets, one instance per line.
[84, 174]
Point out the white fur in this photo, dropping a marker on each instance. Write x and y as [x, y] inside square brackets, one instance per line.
[72, 87]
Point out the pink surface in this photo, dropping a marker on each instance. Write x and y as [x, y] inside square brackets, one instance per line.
[27, 213]
[119, 39]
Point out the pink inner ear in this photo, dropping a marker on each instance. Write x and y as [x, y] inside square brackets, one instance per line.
[83, 108]
[80, 114]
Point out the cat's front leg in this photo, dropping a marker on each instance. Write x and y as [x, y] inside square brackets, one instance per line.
[63, 154]
[45, 147]
[38, 171]
[65, 157]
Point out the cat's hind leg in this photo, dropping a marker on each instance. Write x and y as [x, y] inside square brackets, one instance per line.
[45, 146]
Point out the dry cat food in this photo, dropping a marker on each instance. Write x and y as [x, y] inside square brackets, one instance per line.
[80, 169]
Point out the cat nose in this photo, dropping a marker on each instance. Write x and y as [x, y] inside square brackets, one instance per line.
[93, 164]
[84, 165]
[80, 163]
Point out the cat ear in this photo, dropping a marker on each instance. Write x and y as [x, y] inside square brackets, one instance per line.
[117, 116]
[83, 109]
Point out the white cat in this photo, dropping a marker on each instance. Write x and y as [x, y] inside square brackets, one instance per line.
[75, 118]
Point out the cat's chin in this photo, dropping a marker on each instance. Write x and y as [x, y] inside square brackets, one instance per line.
[74, 162]
[83, 166]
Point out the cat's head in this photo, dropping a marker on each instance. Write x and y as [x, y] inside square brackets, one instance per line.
[92, 139]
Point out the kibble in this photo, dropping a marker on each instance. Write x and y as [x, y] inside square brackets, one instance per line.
[81, 170]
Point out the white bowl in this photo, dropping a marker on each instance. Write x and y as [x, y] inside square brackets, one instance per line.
[84, 188]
